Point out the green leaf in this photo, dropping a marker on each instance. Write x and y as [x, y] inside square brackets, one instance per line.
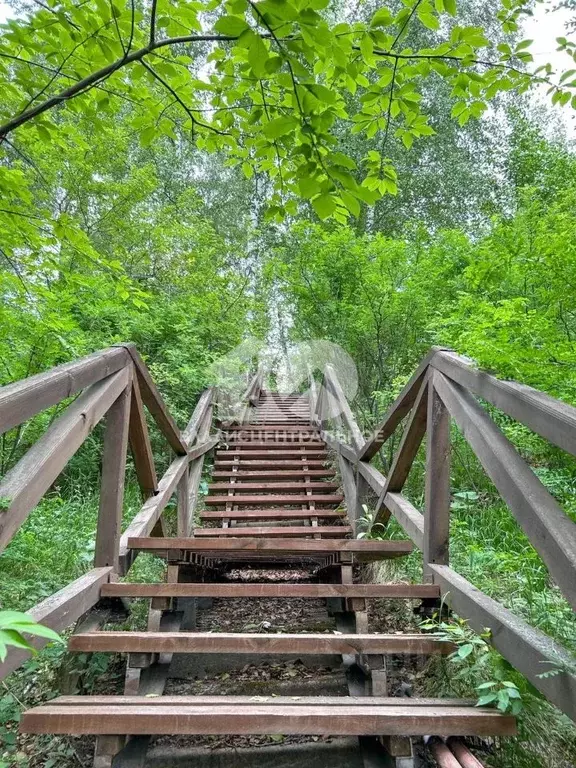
[465, 650]
[382, 18]
[232, 26]
[280, 126]
[350, 202]
[324, 205]
[487, 699]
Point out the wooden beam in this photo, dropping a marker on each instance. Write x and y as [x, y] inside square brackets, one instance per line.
[151, 510]
[270, 500]
[201, 448]
[324, 717]
[112, 482]
[551, 532]
[356, 437]
[59, 611]
[220, 642]
[404, 458]
[268, 514]
[279, 545]
[154, 401]
[398, 409]
[24, 399]
[530, 651]
[437, 481]
[551, 418]
[412, 591]
[140, 445]
[281, 531]
[196, 420]
[28, 481]
[409, 518]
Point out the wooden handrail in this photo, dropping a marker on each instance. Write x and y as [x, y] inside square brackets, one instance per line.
[114, 384]
[443, 389]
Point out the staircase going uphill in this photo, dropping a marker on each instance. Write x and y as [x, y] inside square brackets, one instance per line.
[274, 506]
[267, 637]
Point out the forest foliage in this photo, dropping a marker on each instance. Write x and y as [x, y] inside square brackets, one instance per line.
[185, 175]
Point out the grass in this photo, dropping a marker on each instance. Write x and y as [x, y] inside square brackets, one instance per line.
[489, 548]
[54, 547]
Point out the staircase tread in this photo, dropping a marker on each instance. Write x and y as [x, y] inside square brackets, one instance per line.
[296, 530]
[269, 499]
[242, 642]
[344, 545]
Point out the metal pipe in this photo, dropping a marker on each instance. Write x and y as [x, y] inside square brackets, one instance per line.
[440, 752]
[463, 754]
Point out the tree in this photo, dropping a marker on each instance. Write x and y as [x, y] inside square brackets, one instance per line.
[265, 82]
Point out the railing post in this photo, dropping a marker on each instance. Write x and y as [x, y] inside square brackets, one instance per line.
[437, 486]
[112, 482]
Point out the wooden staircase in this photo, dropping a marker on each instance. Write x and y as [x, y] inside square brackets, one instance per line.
[274, 502]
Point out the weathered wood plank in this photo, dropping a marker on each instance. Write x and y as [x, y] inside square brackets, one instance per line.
[551, 418]
[112, 482]
[147, 517]
[331, 379]
[410, 519]
[437, 481]
[551, 532]
[256, 718]
[202, 448]
[154, 401]
[269, 514]
[26, 483]
[306, 545]
[196, 420]
[59, 611]
[184, 519]
[219, 642]
[407, 450]
[398, 409]
[271, 474]
[140, 445]
[280, 531]
[278, 486]
[24, 399]
[218, 700]
[127, 589]
[530, 651]
[274, 500]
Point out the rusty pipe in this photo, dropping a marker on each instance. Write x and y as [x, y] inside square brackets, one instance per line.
[463, 754]
[440, 752]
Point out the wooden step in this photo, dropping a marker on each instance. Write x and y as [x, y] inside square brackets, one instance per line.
[180, 715]
[272, 428]
[256, 589]
[328, 531]
[255, 445]
[275, 500]
[237, 642]
[269, 514]
[269, 453]
[242, 486]
[259, 464]
[363, 549]
[272, 474]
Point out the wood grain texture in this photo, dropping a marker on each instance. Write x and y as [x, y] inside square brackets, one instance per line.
[140, 445]
[60, 611]
[26, 483]
[24, 399]
[112, 482]
[530, 651]
[437, 481]
[190, 433]
[551, 532]
[269, 500]
[127, 589]
[349, 422]
[220, 642]
[306, 545]
[366, 717]
[338, 531]
[552, 419]
[398, 409]
[269, 514]
[154, 401]
[406, 453]
[147, 517]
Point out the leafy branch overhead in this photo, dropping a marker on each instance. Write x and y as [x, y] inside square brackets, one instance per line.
[275, 84]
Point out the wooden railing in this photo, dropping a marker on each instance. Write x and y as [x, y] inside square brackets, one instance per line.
[442, 389]
[114, 384]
